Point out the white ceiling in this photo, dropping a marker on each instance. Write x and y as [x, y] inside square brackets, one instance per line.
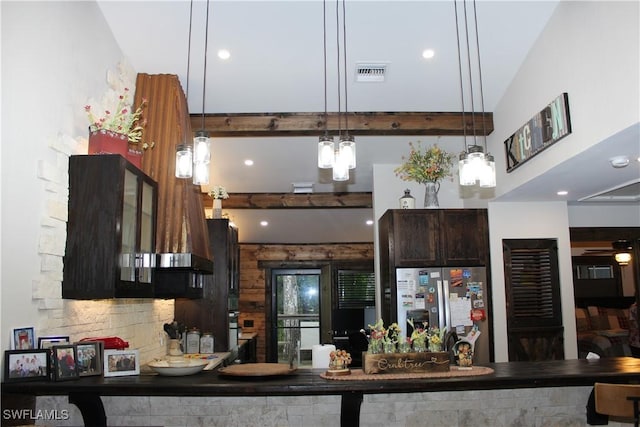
[276, 65]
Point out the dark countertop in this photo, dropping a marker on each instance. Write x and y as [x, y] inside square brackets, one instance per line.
[562, 373]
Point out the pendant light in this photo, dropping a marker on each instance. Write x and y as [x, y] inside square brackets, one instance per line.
[201, 142]
[325, 143]
[347, 142]
[184, 152]
[474, 166]
[341, 162]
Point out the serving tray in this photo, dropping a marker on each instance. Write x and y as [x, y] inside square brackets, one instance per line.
[257, 370]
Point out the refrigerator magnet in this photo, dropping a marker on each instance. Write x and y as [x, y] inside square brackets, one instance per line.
[478, 314]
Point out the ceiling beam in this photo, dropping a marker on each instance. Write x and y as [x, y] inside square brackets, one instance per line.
[312, 124]
[293, 201]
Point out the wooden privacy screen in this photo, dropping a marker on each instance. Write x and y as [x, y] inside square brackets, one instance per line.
[181, 221]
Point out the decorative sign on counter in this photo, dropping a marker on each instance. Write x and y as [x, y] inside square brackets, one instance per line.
[386, 363]
[543, 130]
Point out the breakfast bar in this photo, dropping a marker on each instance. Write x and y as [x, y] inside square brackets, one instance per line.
[86, 392]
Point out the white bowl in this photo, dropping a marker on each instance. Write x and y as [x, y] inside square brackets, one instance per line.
[175, 368]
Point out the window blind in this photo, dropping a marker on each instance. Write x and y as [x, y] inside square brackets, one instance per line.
[356, 289]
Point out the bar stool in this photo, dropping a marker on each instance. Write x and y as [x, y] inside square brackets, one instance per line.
[618, 400]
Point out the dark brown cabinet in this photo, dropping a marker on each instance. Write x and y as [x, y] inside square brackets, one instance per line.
[216, 311]
[110, 248]
[429, 238]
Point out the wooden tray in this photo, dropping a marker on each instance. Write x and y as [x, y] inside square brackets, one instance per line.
[257, 370]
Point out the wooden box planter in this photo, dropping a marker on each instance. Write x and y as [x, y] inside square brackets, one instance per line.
[405, 363]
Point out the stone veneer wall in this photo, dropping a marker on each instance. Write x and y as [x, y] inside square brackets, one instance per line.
[138, 321]
[559, 406]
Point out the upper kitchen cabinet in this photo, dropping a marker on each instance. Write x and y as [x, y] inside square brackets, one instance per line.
[110, 249]
[434, 237]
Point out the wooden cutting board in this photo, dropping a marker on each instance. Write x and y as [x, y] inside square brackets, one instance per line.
[256, 369]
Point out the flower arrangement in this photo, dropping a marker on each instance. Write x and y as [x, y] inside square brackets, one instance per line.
[429, 166]
[115, 113]
[418, 337]
[435, 338]
[218, 192]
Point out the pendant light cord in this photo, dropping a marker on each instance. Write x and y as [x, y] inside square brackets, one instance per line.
[338, 62]
[324, 58]
[473, 115]
[189, 48]
[484, 130]
[204, 78]
[344, 64]
[464, 122]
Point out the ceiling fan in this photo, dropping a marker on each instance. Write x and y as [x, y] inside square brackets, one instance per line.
[621, 249]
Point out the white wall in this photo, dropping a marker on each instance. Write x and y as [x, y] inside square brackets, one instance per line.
[591, 50]
[530, 221]
[55, 56]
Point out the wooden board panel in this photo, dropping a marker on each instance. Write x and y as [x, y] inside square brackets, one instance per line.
[394, 363]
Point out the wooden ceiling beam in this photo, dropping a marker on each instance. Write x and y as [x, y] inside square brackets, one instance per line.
[313, 124]
[293, 201]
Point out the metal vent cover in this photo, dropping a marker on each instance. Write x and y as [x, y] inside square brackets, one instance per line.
[367, 72]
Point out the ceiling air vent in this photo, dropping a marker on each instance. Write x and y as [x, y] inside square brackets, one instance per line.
[370, 72]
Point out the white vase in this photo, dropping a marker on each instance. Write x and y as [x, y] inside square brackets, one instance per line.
[217, 208]
[431, 195]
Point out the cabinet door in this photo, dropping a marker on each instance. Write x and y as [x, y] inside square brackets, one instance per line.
[416, 238]
[110, 230]
[463, 235]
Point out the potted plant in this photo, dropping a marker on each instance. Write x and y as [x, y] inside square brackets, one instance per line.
[114, 126]
[427, 167]
[217, 193]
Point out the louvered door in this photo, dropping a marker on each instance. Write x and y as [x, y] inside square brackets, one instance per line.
[534, 316]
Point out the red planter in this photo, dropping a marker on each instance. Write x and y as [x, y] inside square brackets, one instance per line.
[108, 142]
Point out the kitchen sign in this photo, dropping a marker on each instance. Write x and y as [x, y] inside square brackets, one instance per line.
[543, 130]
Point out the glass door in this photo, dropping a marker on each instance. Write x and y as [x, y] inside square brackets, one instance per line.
[297, 308]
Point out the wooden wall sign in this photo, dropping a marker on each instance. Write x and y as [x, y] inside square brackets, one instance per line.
[543, 130]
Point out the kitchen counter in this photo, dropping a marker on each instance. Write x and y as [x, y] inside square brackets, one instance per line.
[86, 392]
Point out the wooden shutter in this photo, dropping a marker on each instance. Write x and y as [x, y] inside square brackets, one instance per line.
[534, 316]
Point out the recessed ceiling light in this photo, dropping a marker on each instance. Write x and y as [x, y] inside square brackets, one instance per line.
[369, 222]
[562, 193]
[428, 53]
[264, 223]
[248, 162]
[224, 54]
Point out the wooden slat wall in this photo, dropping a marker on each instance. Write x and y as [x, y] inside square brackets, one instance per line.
[181, 221]
[253, 299]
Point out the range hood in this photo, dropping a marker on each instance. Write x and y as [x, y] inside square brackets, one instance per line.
[181, 275]
[183, 261]
[183, 258]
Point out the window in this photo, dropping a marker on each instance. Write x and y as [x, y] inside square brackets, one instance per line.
[356, 289]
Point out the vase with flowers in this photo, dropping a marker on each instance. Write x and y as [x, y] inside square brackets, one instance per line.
[426, 167]
[418, 337]
[218, 193]
[114, 126]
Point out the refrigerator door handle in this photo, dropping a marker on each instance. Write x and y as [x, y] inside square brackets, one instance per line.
[447, 309]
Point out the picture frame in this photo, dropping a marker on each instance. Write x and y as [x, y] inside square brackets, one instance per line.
[50, 341]
[121, 362]
[65, 362]
[89, 358]
[23, 338]
[27, 365]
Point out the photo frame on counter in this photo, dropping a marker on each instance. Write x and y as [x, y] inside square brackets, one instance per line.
[50, 341]
[89, 358]
[27, 365]
[23, 338]
[121, 362]
[65, 359]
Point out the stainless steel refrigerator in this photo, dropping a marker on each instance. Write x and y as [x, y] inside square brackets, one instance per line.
[453, 298]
